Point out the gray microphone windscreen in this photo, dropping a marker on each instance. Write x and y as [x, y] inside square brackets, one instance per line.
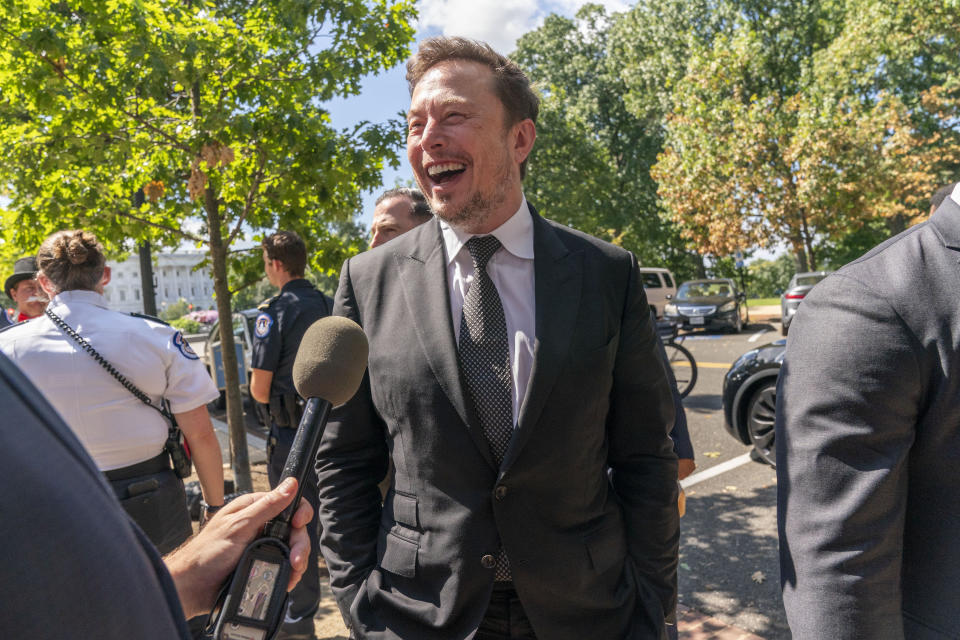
[331, 360]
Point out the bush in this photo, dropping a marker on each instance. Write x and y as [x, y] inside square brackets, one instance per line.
[187, 324]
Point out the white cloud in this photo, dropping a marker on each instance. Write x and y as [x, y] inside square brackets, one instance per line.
[498, 22]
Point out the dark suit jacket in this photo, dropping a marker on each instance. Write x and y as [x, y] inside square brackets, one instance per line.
[590, 557]
[868, 444]
[75, 565]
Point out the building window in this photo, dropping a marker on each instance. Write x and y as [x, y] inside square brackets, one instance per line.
[123, 295]
[136, 294]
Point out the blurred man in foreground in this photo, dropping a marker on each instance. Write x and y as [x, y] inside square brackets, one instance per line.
[76, 566]
[868, 439]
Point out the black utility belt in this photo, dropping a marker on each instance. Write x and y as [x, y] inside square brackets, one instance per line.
[285, 410]
[160, 462]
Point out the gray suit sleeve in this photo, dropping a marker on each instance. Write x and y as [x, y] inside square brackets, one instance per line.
[351, 460]
[847, 404]
[641, 453]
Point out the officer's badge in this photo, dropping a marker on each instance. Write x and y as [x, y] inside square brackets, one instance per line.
[184, 347]
[263, 324]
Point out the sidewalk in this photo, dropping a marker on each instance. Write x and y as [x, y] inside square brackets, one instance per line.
[766, 313]
[692, 625]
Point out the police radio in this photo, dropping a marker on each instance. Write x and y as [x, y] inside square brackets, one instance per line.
[327, 371]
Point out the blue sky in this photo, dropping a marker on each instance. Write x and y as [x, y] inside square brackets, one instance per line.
[498, 22]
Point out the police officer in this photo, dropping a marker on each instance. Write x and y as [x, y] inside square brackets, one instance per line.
[279, 328]
[125, 437]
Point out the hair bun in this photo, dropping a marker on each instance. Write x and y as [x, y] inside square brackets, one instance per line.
[77, 250]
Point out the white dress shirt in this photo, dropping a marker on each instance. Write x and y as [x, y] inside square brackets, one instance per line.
[511, 270]
[956, 193]
[116, 428]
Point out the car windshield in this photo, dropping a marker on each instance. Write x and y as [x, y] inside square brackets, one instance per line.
[703, 290]
[809, 280]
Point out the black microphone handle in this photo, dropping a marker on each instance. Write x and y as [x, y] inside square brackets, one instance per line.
[301, 459]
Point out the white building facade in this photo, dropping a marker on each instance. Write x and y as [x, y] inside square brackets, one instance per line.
[174, 277]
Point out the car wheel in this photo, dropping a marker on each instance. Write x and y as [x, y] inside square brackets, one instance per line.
[760, 417]
[738, 327]
[784, 327]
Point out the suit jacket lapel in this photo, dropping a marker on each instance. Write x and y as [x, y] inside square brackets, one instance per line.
[558, 274]
[423, 275]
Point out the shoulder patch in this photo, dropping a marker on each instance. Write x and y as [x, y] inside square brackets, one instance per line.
[184, 347]
[263, 324]
[266, 303]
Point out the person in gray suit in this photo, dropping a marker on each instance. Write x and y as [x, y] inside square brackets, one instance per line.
[868, 444]
[512, 363]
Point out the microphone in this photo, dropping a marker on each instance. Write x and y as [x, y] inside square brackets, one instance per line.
[327, 372]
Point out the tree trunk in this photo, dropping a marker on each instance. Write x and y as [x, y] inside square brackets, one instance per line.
[146, 280]
[240, 461]
[799, 256]
[811, 258]
[700, 266]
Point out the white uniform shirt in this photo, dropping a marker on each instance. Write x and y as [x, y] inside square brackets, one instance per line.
[116, 428]
[511, 269]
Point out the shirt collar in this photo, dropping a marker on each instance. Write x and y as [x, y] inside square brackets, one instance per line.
[80, 295]
[516, 235]
[956, 194]
[296, 283]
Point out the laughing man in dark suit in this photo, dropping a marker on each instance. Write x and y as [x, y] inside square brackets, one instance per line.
[512, 364]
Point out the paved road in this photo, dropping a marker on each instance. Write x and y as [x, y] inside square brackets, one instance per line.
[728, 562]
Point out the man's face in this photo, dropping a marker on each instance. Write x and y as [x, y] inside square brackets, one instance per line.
[463, 157]
[29, 298]
[392, 217]
[269, 266]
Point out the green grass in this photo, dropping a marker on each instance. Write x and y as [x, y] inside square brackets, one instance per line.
[762, 302]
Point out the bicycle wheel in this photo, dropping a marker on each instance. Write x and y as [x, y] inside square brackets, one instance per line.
[683, 365]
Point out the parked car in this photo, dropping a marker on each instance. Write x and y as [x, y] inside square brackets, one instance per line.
[660, 286]
[708, 304]
[243, 322]
[799, 286]
[750, 398]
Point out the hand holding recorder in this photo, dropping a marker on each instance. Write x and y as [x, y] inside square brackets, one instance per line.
[327, 371]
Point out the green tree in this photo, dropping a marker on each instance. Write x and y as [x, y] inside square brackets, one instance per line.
[590, 166]
[809, 120]
[768, 278]
[211, 109]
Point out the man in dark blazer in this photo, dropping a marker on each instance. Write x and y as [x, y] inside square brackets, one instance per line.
[868, 444]
[529, 536]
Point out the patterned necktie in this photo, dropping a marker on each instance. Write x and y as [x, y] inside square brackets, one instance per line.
[485, 360]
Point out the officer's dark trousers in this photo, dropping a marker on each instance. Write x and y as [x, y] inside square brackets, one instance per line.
[154, 497]
[305, 597]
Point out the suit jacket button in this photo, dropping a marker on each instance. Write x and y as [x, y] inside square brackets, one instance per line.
[488, 561]
[500, 492]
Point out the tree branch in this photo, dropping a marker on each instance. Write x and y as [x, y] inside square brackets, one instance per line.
[157, 225]
[251, 196]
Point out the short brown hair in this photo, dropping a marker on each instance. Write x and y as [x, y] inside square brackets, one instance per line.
[72, 260]
[419, 207]
[289, 249]
[511, 84]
